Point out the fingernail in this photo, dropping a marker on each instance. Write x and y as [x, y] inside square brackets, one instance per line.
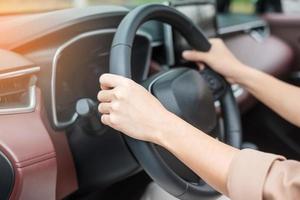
[185, 53]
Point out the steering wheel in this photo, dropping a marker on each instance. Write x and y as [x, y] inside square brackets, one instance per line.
[183, 91]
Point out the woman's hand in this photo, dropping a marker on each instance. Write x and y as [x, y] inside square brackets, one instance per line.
[219, 58]
[131, 109]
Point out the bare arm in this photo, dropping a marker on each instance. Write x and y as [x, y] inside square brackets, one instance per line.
[214, 161]
[200, 152]
[279, 96]
[231, 171]
[137, 117]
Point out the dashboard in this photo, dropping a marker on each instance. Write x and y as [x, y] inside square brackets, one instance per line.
[79, 62]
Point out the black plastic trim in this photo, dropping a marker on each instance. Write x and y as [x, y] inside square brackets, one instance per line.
[7, 177]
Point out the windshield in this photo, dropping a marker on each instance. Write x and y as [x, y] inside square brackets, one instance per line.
[30, 6]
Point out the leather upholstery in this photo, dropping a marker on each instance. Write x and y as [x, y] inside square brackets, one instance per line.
[39, 165]
[287, 28]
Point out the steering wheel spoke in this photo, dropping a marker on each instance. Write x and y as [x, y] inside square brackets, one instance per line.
[216, 83]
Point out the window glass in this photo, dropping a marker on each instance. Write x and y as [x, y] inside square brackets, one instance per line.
[25, 6]
[291, 6]
[242, 6]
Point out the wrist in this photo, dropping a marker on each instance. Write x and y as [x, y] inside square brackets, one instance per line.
[243, 74]
[168, 132]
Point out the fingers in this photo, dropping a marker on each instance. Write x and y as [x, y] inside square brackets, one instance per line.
[104, 108]
[110, 120]
[105, 119]
[194, 56]
[112, 90]
[201, 66]
[106, 95]
[108, 81]
[104, 87]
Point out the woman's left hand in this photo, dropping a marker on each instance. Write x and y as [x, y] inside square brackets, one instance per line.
[131, 109]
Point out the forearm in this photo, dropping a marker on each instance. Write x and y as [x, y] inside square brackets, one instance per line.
[281, 97]
[206, 156]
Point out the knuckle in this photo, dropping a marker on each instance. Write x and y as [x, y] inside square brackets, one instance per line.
[216, 41]
[118, 94]
[114, 120]
[115, 106]
[219, 41]
[131, 86]
[127, 82]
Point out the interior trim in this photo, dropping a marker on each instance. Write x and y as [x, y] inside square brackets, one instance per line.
[169, 45]
[43, 24]
[23, 109]
[30, 107]
[243, 27]
[26, 142]
[20, 72]
[7, 177]
[56, 122]
[238, 91]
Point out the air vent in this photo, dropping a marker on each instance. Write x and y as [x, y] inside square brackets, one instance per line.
[17, 91]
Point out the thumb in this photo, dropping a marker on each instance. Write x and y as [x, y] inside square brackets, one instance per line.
[195, 56]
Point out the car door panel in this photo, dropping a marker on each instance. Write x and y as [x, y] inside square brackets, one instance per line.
[287, 28]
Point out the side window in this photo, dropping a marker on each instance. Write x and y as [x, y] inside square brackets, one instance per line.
[258, 6]
[237, 6]
[291, 6]
[33, 6]
[242, 6]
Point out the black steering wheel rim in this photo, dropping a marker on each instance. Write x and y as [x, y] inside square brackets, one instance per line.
[120, 63]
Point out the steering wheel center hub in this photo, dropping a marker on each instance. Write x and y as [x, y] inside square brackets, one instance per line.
[184, 92]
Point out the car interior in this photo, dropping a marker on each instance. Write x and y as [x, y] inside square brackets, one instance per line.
[52, 143]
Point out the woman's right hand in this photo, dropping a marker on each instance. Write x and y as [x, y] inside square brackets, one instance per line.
[128, 107]
[220, 59]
